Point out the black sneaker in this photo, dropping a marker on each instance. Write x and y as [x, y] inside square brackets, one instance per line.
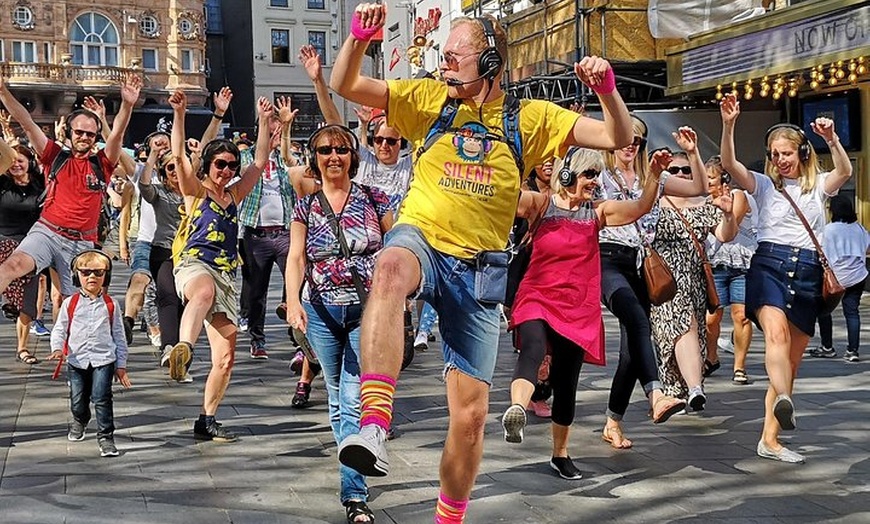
[850, 356]
[823, 352]
[76, 431]
[565, 468]
[300, 398]
[107, 447]
[212, 431]
[128, 329]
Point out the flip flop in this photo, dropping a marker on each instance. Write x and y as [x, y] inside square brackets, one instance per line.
[612, 434]
[672, 406]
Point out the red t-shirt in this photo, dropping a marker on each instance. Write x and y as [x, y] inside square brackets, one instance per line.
[73, 200]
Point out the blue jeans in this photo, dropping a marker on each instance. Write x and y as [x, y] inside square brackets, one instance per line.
[92, 385]
[851, 301]
[333, 332]
[469, 328]
[427, 319]
[730, 285]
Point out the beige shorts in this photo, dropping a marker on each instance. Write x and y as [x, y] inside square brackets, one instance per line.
[225, 297]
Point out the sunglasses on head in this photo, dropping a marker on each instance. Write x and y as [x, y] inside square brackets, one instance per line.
[82, 132]
[590, 173]
[639, 142]
[686, 170]
[327, 150]
[95, 272]
[220, 163]
[390, 141]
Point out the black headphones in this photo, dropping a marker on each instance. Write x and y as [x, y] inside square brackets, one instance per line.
[78, 112]
[803, 147]
[567, 176]
[75, 274]
[32, 164]
[490, 61]
[218, 145]
[147, 142]
[354, 149]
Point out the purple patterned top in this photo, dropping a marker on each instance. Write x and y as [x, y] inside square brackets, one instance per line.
[326, 270]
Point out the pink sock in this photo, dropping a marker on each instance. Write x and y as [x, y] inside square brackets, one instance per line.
[449, 511]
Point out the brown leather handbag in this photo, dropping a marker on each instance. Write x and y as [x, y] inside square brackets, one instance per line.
[712, 295]
[832, 290]
[660, 284]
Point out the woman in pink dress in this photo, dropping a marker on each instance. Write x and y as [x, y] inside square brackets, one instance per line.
[557, 307]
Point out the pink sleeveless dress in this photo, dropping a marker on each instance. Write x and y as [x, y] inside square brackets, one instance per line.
[562, 285]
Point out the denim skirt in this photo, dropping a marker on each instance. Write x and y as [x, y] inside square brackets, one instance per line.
[787, 278]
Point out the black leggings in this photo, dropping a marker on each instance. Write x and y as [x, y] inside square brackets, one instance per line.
[567, 358]
[624, 293]
[169, 306]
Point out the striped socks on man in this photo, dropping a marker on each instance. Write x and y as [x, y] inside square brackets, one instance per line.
[449, 511]
[376, 400]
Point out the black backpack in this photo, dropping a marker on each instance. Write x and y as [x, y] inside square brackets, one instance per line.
[104, 223]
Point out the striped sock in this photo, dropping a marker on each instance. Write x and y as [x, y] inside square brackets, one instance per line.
[376, 400]
[449, 511]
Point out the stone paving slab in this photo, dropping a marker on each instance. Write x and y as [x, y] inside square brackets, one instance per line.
[695, 468]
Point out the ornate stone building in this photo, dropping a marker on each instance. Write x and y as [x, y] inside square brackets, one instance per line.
[53, 53]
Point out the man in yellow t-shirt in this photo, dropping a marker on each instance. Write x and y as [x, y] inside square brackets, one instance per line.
[462, 201]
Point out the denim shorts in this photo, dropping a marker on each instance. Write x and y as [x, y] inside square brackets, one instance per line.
[469, 329]
[139, 259]
[730, 285]
[789, 279]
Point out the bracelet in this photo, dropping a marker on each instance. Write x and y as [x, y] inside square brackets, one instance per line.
[832, 142]
[215, 115]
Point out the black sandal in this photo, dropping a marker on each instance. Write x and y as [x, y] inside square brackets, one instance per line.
[710, 367]
[358, 508]
[26, 357]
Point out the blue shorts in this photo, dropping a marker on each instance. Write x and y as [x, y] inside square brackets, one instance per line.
[730, 285]
[140, 257]
[789, 279]
[469, 329]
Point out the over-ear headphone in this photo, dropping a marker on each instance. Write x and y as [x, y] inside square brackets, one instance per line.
[75, 275]
[78, 112]
[32, 164]
[490, 61]
[218, 145]
[803, 147]
[375, 124]
[567, 176]
[354, 149]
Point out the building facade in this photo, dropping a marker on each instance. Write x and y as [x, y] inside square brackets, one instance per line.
[54, 53]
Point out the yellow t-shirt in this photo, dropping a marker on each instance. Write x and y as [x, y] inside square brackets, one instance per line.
[465, 188]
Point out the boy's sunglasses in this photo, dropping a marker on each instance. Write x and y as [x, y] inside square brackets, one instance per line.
[220, 163]
[95, 272]
[341, 150]
[686, 170]
[390, 141]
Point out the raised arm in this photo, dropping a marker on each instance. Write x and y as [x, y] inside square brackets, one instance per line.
[261, 152]
[127, 194]
[7, 156]
[6, 124]
[34, 133]
[621, 212]
[729, 108]
[130, 86]
[687, 139]
[824, 127]
[727, 228]
[310, 59]
[286, 115]
[615, 131]
[346, 79]
[188, 183]
[303, 184]
[364, 116]
[222, 101]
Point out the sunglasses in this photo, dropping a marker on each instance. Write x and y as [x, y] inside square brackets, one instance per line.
[686, 170]
[453, 59]
[341, 150]
[590, 174]
[223, 164]
[390, 141]
[82, 132]
[639, 142]
[95, 272]
[171, 167]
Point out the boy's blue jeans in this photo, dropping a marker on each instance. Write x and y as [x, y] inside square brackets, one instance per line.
[93, 385]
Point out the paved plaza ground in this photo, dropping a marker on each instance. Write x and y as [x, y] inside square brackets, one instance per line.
[694, 468]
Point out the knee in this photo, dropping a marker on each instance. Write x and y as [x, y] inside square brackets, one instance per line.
[202, 294]
[224, 362]
[394, 274]
[469, 421]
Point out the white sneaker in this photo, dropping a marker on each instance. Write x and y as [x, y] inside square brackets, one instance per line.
[726, 344]
[186, 379]
[421, 342]
[365, 451]
[155, 339]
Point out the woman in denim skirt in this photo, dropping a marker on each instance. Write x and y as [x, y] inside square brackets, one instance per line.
[785, 273]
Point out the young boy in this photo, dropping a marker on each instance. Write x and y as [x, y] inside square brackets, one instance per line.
[95, 348]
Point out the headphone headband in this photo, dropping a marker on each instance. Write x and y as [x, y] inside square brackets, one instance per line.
[490, 61]
[803, 146]
[354, 153]
[75, 276]
[79, 112]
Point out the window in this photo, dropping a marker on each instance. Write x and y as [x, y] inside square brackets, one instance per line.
[278, 3]
[309, 115]
[316, 4]
[186, 60]
[149, 60]
[280, 46]
[317, 39]
[22, 17]
[214, 22]
[47, 53]
[149, 26]
[94, 41]
[23, 52]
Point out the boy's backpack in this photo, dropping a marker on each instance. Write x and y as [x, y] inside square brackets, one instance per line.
[510, 122]
[184, 228]
[70, 309]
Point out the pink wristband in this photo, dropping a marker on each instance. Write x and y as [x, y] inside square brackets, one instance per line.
[359, 32]
[607, 84]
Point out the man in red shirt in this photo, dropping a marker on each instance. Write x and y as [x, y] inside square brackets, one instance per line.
[68, 223]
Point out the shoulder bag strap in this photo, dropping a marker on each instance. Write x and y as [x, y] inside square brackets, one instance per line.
[624, 190]
[698, 246]
[345, 251]
[530, 232]
[70, 310]
[822, 258]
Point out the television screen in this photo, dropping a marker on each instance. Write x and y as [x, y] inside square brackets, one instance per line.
[844, 108]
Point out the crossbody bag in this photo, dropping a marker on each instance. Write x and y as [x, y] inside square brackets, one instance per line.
[712, 295]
